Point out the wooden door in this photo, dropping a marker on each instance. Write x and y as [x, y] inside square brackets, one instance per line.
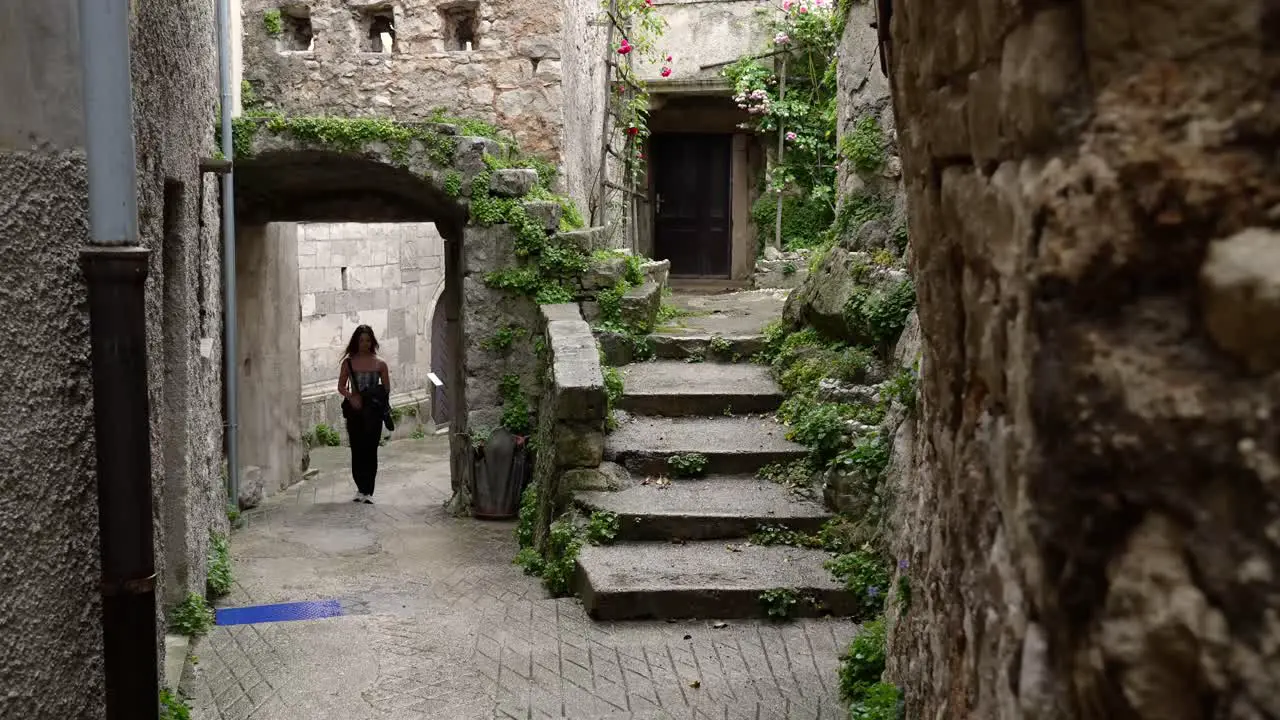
[691, 220]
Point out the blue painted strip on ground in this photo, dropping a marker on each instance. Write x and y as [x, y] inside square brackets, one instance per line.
[280, 612]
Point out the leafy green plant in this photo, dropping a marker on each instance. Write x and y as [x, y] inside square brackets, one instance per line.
[865, 145]
[273, 23]
[904, 594]
[326, 435]
[869, 455]
[528, 516]
[779, 603]
[502, 340]
[602, 528]
[233, 515]
[863, 664]
[516, 416]
[866, 576]
[173, 707]
[563, 543]
[720, 346]
[687, 465]
[881, 313]
[902, 388]
[794, 475]
[882, 701]
[192, 617]
[453, 183]
[614, 387]
[789, 268]
[219, 578]
[779, 535]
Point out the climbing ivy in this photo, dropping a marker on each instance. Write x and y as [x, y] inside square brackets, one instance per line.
[516, 416]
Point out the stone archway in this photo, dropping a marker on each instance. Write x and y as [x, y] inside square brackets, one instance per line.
[363, 171]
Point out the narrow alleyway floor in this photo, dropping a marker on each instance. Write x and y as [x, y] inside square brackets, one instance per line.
[437, 623]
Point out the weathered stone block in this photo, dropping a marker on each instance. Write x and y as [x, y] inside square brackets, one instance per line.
[617, 348]
[604, 272]
[252, 487]
[588, 239]
[608, 477]
[640, 306]
[590, 310]
[545, 212]
[512, 182]
[579, 445]
[468, 158]
[579, 383]
[486, 249]
[657, 271]
[1240, 290]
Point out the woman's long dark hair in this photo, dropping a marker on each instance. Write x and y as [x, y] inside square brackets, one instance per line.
[353, 345]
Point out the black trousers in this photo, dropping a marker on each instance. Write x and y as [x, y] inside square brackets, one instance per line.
[364, 436]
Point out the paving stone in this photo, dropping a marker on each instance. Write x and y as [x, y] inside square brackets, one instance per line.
[452, 630]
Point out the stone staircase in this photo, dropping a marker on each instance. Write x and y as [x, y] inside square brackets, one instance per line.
[682, 549]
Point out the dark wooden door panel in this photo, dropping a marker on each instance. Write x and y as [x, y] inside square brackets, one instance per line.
[692, 225]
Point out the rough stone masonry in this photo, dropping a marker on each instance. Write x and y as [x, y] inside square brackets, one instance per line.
[1093, 519]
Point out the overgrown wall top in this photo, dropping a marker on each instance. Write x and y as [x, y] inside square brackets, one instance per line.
[50, 610]
[1092, 522]
[512, 77]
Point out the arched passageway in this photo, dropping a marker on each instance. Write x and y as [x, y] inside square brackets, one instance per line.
[284, 177]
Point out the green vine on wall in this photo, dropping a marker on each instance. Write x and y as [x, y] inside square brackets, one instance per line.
[643, 28]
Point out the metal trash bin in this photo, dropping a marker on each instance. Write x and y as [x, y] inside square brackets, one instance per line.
[500, 474]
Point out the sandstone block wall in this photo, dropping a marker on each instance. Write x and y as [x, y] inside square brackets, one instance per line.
[50, 608]
[1091, 515]
[387, 276]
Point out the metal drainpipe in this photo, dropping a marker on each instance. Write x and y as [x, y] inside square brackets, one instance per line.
[229, 349]
[115, 270]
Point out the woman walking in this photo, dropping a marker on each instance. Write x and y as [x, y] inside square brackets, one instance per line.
[365, 385]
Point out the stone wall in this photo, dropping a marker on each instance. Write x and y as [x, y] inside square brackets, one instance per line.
[269, 428]
[572, 414]
[1090, 517]
[511, 77]
[705, 33]
[386, 275]
[50, 608]
[582, 51]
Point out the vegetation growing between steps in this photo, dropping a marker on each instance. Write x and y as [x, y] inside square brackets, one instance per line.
[564, 541]
[602, 528]
[687, 465]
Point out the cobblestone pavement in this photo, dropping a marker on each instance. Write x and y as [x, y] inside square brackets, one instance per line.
[442, 626]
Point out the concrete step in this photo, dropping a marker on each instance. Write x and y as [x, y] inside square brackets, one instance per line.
[636, 581]
[673, 389]
[709, 509]
[732, 445]
[684, 345]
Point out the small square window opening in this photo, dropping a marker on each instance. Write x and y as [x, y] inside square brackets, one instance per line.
[460, 27]
[378, 30]
[296, 35]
